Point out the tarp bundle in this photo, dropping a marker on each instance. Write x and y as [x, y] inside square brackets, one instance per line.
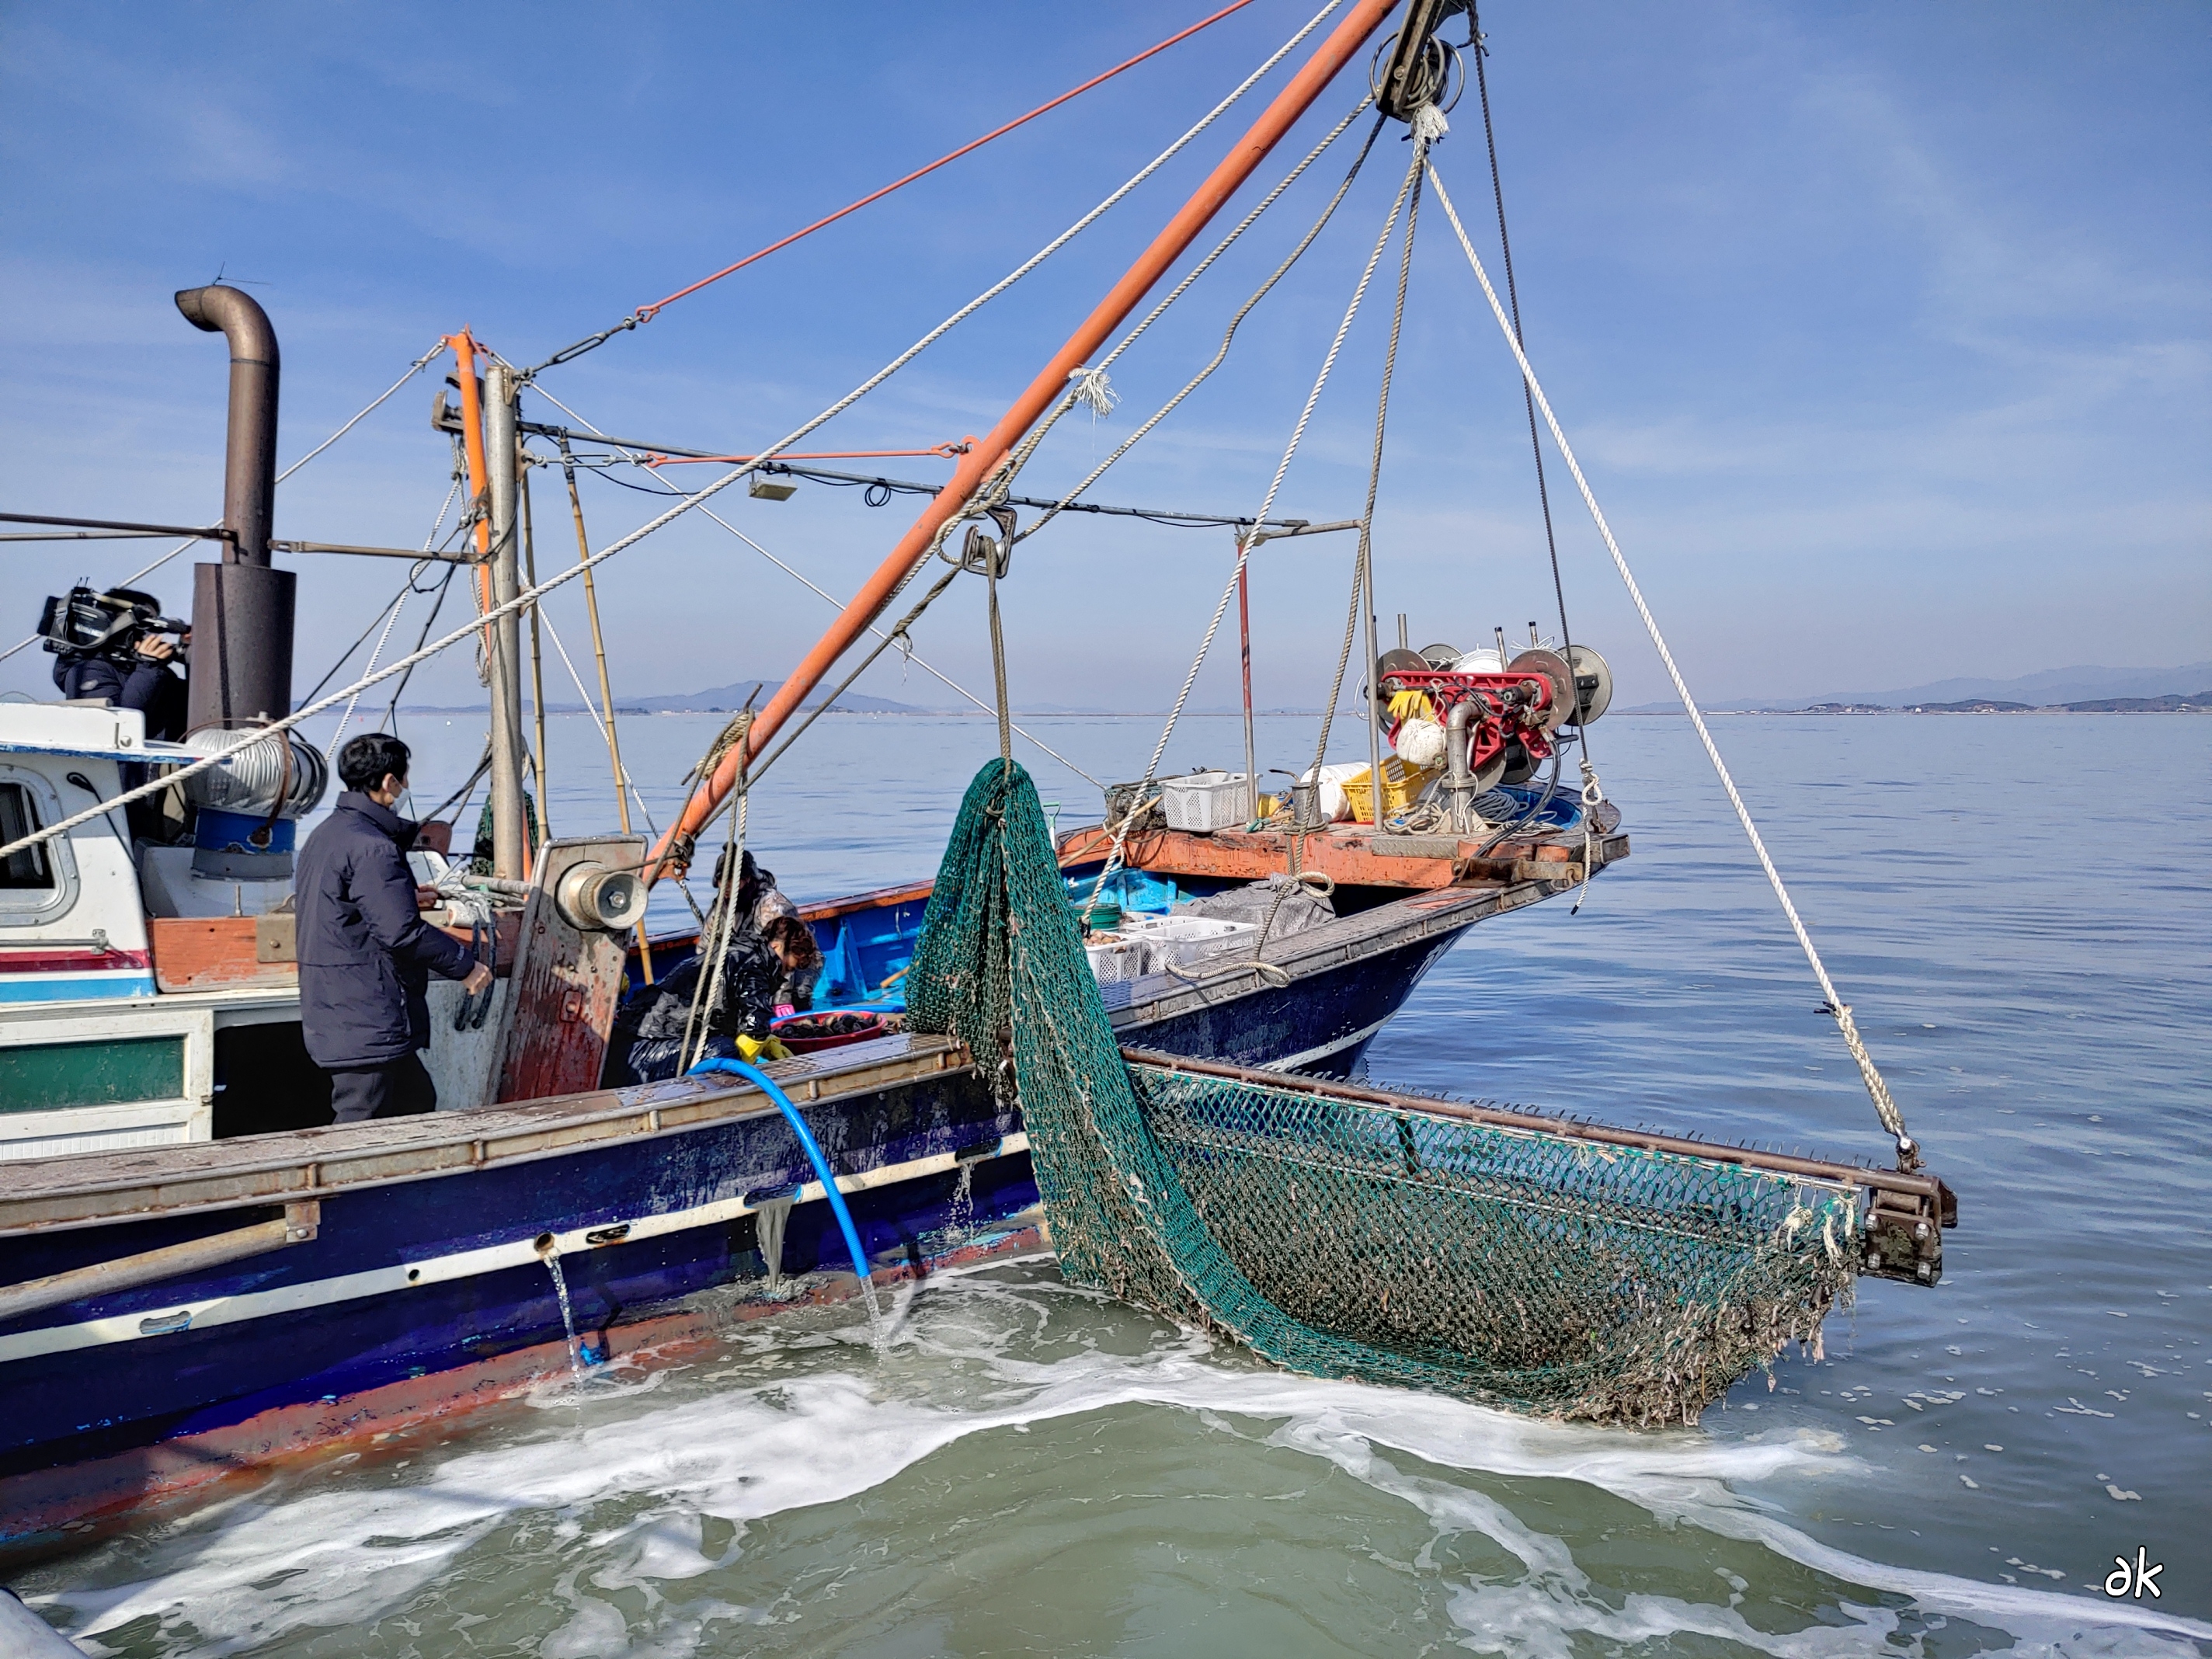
[1340, 1237]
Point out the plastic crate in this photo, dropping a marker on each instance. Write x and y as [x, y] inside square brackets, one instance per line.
[1204, 802]
[1186, 940]
[1132, 890]
[1114, 960]
[1401, 788]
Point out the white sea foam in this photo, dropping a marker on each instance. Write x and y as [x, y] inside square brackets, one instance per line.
[633, 1486]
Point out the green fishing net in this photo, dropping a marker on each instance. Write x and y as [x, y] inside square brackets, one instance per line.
[1350, 1238]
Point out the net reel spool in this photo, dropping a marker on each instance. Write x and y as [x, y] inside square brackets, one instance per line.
[1593, 686]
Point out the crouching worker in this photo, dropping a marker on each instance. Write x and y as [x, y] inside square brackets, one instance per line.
[792, 941]
[366, 954]
[735, 1021]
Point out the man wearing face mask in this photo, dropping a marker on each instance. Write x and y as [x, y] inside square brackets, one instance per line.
[366, 954]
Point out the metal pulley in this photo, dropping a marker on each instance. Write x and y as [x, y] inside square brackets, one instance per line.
[593, 898]
[1413, 68]
[982, 553]
[1553, 667]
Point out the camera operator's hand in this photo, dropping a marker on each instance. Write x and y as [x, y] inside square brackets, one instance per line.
[156, 648]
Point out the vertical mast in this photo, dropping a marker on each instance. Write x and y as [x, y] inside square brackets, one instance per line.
[509, 857]
[1360, 21]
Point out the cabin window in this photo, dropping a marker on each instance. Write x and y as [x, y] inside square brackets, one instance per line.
[38, 884]
[29, 869]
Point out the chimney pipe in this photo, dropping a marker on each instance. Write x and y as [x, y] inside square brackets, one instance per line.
[249, 468]
[242, 608]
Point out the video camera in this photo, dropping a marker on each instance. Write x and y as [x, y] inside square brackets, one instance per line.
[87, 622]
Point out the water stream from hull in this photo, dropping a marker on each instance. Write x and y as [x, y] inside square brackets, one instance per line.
[568, 1311]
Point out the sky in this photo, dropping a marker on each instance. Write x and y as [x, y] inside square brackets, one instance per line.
[1881, 330]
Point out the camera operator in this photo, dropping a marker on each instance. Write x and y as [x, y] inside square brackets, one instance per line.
[117, 646]
[136, 668]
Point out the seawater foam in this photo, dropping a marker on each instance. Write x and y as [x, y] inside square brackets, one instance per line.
[776, 1437]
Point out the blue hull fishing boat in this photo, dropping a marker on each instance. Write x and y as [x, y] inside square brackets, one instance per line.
[228, 1300]
[199, 1273]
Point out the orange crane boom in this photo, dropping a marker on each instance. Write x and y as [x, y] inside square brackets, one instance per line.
[1226, 178]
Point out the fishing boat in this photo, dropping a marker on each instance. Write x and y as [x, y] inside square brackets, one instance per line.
[197, 1273]
[197, 1270]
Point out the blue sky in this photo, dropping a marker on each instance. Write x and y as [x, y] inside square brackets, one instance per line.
[1881, 330]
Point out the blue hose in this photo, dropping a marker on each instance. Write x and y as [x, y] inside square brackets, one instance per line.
[761, 1079]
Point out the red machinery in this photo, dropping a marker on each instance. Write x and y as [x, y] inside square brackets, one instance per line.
[1507, 719]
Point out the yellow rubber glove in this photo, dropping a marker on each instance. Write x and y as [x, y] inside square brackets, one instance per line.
[753, 1050]
[1410, 706]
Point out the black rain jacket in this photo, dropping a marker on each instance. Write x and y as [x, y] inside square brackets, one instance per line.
[366, 954]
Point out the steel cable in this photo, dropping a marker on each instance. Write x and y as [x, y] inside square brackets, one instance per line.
[370, 407]
[1885, 1106]
[530, 596]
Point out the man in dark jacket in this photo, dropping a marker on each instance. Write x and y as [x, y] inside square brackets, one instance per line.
[138, 674]
[366, 954]
[142, 680]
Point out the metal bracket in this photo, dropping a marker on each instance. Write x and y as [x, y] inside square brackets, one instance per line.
[1902, 1236]
[979, 552]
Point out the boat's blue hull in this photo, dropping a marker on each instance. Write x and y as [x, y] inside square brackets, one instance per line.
[337, 1315]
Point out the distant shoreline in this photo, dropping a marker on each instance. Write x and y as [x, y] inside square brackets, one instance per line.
[2140, 706]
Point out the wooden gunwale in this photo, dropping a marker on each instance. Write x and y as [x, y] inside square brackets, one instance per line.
[204, 1176]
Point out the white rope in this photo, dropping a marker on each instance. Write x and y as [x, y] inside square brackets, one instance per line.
[415, 368]
[1266, 505]
[1229, 335]
[399, 603]
[1877, 1090]
[530, 596]
[1093, 391]
[390, 621]
[906, 647]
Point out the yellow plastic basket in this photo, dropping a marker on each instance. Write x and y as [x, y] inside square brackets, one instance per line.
[1401, 788]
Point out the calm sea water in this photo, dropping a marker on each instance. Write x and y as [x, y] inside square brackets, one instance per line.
[2018, 909]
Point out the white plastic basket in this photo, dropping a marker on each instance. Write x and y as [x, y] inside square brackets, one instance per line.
[1203, 802]
[1116, 961]
[1186, 940]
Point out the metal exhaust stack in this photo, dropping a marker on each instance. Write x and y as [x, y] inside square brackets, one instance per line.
[243, 607]
[242, 624]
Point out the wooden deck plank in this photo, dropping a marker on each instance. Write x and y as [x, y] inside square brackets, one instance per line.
[93, 1188]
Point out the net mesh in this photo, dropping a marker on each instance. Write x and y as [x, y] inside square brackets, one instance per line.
[1345, 1237]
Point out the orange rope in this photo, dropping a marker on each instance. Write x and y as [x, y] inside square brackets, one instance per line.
[646, 313]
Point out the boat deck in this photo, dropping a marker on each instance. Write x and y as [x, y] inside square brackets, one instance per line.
[306, 1165]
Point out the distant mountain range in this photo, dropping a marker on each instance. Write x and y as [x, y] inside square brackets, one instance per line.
[2082, 690]
[728, 699]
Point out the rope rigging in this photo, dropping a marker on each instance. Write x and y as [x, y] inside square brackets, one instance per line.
[645, 314]
[1114, 857]
[531, 595]
[362, 414]
[1908, 1155]
[896, 635]
[1067, 503]
[1593, 791]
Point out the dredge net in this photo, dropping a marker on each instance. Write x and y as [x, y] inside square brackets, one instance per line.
[1344, 1237]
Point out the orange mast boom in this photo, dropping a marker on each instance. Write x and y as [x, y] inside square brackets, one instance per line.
[975, 467]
